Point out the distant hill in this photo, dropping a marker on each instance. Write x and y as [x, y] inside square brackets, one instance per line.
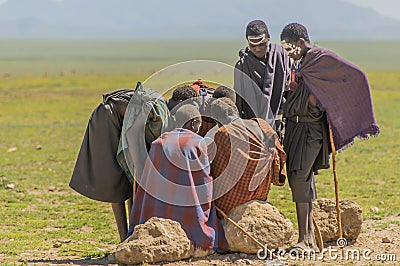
[177, 19]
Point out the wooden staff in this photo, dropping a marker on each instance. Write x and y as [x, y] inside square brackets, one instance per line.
[338, 215]
[320, 241]
[242, 230]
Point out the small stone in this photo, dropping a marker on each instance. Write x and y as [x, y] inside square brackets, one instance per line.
[57, 244]
[52, 188]
[374, 209]
[281, 196]
[228, 259]
[245, 261]
[38, 147]
[248, 262]
[381, 203]
[11, 239]
[10, 186]
[13, 149]
[386, 240]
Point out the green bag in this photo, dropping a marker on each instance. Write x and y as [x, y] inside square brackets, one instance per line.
[143, 100]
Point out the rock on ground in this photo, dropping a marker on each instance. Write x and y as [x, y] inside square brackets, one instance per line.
[263, 221]
[324, 211]
[154, 241]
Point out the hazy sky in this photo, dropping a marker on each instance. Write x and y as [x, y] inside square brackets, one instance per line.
[389, 8]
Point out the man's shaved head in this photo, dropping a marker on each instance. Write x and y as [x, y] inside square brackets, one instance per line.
[223, 109]
[181, 94]
[257, 27]
[185, 114]
[293, 32]
[223, 91]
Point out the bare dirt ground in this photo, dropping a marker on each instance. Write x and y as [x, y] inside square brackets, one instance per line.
[378, 244]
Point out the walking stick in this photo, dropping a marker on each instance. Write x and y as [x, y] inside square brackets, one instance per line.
[320, 241]
[259, 244]
[338, 215]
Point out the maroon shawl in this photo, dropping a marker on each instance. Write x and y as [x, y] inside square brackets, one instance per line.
[342, 90]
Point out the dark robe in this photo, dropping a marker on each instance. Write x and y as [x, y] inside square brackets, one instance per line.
[306, 142]
[97, 174]
[260, 84]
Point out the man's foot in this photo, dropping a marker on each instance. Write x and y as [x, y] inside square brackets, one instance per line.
[111, 259]
[199, 252]
[299, 247]
[312, 244]
[302, 248]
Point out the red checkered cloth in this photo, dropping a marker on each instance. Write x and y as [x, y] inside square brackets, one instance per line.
[176, 185]
[198, 84]
[206, 125]
[246, 172]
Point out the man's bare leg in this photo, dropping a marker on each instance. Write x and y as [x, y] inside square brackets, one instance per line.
[130, 203]
[311, 236]
[120, 218]
[303, 220]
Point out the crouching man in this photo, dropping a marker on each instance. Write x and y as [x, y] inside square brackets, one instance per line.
[176, 184]
[248, 158]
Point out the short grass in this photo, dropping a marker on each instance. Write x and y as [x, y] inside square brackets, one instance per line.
[44, 117]
[52, 113]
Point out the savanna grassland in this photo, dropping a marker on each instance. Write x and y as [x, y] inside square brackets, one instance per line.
[48, 90]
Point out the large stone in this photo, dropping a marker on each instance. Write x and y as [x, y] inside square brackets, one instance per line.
[263, 221]
[324, 211]
[154, 241]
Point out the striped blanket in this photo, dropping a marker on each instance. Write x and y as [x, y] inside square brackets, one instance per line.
[176, 185]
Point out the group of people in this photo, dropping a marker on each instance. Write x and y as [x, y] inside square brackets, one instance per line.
[223, 152]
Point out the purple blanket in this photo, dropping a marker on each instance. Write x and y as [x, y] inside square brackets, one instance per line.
[342, 90]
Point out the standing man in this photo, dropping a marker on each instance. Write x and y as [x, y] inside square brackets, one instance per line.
[324, 89]
[261, 75]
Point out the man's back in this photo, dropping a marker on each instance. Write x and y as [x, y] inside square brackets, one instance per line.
[176, 185]
[242, 162]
